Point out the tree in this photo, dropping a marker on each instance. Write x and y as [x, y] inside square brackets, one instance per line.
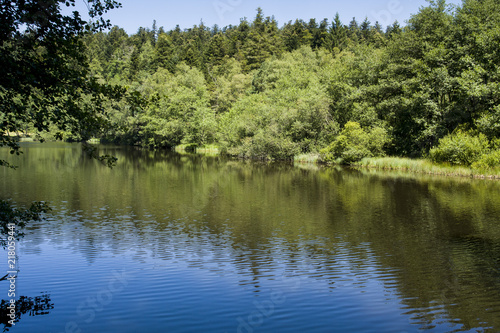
[44, 69]
[178, 110]
[392, 30]
[262, 42]
[216, 50]
[45, 77]
[365, 30]
[163, 52]
[338, 34]
[288, 112]
[115, 39]
[353, 31]
[320, 35]
[296, 35]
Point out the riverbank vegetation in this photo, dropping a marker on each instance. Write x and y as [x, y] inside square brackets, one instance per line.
[341, 93]
[426, 166]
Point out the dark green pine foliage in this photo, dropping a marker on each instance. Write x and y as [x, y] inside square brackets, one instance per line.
[262, 41]
[296, 35]
[393, 30]
[320, 35]
[216, 49]
[338, 36]
[164, 51]
[354, 32]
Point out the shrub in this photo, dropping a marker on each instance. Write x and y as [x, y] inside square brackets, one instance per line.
[488, 161]
[354, 143]
[460, 148]
[267, 145]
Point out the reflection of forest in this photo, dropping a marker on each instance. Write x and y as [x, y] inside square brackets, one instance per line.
[435, 241]
[33, 306]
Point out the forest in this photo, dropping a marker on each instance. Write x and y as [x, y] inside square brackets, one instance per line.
[430, 88]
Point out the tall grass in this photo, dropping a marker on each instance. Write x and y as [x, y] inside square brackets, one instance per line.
[426, 167]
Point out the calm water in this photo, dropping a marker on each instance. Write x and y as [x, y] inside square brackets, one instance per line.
[172, 243]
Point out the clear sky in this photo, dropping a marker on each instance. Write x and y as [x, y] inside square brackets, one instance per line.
[186, 13]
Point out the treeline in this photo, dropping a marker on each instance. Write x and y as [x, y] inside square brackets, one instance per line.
[264, 91]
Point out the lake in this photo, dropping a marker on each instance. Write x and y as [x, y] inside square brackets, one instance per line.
[166, 242]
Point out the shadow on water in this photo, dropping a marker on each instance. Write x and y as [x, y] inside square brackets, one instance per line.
[432, 241]
[31, 306]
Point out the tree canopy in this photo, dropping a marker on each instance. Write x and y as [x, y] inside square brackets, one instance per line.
[44, 69]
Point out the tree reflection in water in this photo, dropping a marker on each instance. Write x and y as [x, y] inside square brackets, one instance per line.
[33, 306]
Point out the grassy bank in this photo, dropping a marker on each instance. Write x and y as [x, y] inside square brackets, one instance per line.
[424, 166]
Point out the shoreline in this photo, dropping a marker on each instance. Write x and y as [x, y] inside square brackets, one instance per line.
[411, 166]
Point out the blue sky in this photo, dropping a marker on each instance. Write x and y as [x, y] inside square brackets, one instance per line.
[186, 13]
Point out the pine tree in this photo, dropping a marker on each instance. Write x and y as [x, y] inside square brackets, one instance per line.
[365, 30]
[116, 38]
[320, 35]
[147, 59]
[393, 30]
[354, 32]
[134, 64]
[262, 42]
[163, 52]
[338, 34]
[216, 50]
[154, 33]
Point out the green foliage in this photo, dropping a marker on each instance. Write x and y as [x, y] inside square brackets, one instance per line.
[288, 109]
[48, 82]
[267, 144]
[229, 84]
[489, 123]
[460, 148]
[354, 143]
[178, 109]
[488, 161]
[44, 69]
[262, 41]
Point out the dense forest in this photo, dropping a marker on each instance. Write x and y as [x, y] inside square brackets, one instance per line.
[260, 90]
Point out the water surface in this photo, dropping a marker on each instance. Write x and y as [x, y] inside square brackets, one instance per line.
[181, 243]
